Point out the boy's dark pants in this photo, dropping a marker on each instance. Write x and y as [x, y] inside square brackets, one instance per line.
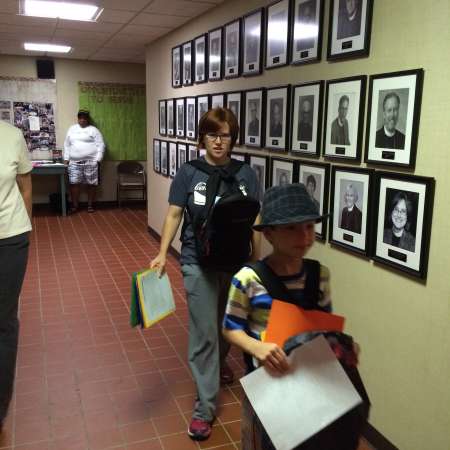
[13, 262]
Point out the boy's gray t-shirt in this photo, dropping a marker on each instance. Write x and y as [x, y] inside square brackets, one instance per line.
[188, 189]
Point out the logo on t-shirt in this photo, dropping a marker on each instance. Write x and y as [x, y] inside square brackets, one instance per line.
[200, 193]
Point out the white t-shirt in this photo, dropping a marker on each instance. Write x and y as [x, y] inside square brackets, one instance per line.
[14, 161]
[83, 144]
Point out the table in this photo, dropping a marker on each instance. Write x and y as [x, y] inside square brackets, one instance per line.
[54, 169]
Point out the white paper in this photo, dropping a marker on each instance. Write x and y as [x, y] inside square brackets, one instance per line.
[34, 123]
[295, 406]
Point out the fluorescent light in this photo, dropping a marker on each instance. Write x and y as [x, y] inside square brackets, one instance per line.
[47, 48]
[61, 10]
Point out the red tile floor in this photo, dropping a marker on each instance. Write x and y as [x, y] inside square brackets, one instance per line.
[85, 379]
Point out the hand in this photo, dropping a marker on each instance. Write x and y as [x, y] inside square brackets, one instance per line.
[160, 263]
[271, 356]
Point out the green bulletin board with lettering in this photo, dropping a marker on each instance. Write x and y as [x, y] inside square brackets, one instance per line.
[119, 112]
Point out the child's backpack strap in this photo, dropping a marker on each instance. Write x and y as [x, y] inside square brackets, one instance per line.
[312, 282]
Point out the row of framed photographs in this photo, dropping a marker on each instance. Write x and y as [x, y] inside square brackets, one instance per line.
[382, 215]
[287, 31]
[290, 117]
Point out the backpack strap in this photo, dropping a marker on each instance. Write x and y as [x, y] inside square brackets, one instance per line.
[312, 282]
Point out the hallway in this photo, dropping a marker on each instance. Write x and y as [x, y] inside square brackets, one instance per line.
[85, 379]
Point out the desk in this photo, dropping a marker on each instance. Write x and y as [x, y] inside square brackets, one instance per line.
[54, 169]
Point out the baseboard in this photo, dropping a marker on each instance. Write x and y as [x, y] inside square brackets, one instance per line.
[377, 440]
[157, 236]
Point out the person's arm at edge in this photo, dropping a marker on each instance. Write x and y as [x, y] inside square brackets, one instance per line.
[25, 188]
[170, 227]
[66, 151]
[100, 144]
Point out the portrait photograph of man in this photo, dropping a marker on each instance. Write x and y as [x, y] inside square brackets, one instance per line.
[176, 61]
[191, 118]
[187, 69]
[391, 119]
[312, 183]
[339, 126]
[277, 45]
[214, 56]
[306, 22]
[232, 49]
[200, 60]
[170, 115]
[282, 177]
[276, 117]
[180, 119]
[305, 118]
[252, 45]
[254, 108]
[349, 19]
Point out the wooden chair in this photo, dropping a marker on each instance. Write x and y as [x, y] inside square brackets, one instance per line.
[131, 177]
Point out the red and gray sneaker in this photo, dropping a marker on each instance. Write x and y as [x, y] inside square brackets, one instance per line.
[199, 429]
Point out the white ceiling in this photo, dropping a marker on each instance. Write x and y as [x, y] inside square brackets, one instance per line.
[120, 34]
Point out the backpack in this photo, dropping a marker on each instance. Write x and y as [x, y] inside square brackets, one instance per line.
[344, 433]
[223, 227]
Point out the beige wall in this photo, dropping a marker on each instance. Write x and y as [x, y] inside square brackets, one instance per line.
[401, 324]
[68, 72]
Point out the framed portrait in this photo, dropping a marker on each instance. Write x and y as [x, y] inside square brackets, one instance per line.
[182, 155]
[172, 159]
[191, 124]
[180, 114]
[277, 34]
[201, 58]
[215, 54]
[192, 152]
[187, 59]
[156, 156]
[316, 178]
[162, 117]
[283, 171]
[254, 117]
[350, 207]
[232, 51]
[164, 157]
[253, 39]
[306, 123]
[277, 114]
[403, 215]
[217, 101]
[170, 109]
[239, 156]
[260, 165]
[393, 118]
[349, 28]
[176, 67]
[344, 116]
[234, 104]
[307, 20]
[202, 106]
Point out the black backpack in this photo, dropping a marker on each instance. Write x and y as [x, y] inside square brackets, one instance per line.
[223, 228]
[344, 433]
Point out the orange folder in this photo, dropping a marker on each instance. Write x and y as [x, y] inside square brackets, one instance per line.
[287, 320]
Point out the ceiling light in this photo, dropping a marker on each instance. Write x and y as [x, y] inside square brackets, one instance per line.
[60, 10]
[47, 48]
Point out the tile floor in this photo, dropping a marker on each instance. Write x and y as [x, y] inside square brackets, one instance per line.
[85, 379]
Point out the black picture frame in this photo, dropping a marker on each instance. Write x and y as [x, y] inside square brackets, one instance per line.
[233, 101]
[344, 40]
[156, 155]
[172, 161]
[203, 104]
[278, 101]
[215, 54]
[188, 66]
[306, 118]
[170, 111]
[277, 44]
[182, 154]
[232, 37]
[180, 108]
[307, 30]
[412, 199]
[192, 152]
[201, 59]
[391, 94]
[283, 171]
[316, 178]
[191, 118]
[164, 158]
[261, 166]
[344, 103]
[254, 117]
[217, 100]
[253, 25]
[162, 117]
[176, 67]
[350, 226]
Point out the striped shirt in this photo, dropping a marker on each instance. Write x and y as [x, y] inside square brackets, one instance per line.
[249, 303]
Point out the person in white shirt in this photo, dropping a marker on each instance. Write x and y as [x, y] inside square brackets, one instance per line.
[83, 151]
[15, 224]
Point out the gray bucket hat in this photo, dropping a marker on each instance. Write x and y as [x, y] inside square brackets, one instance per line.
[288, 204]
